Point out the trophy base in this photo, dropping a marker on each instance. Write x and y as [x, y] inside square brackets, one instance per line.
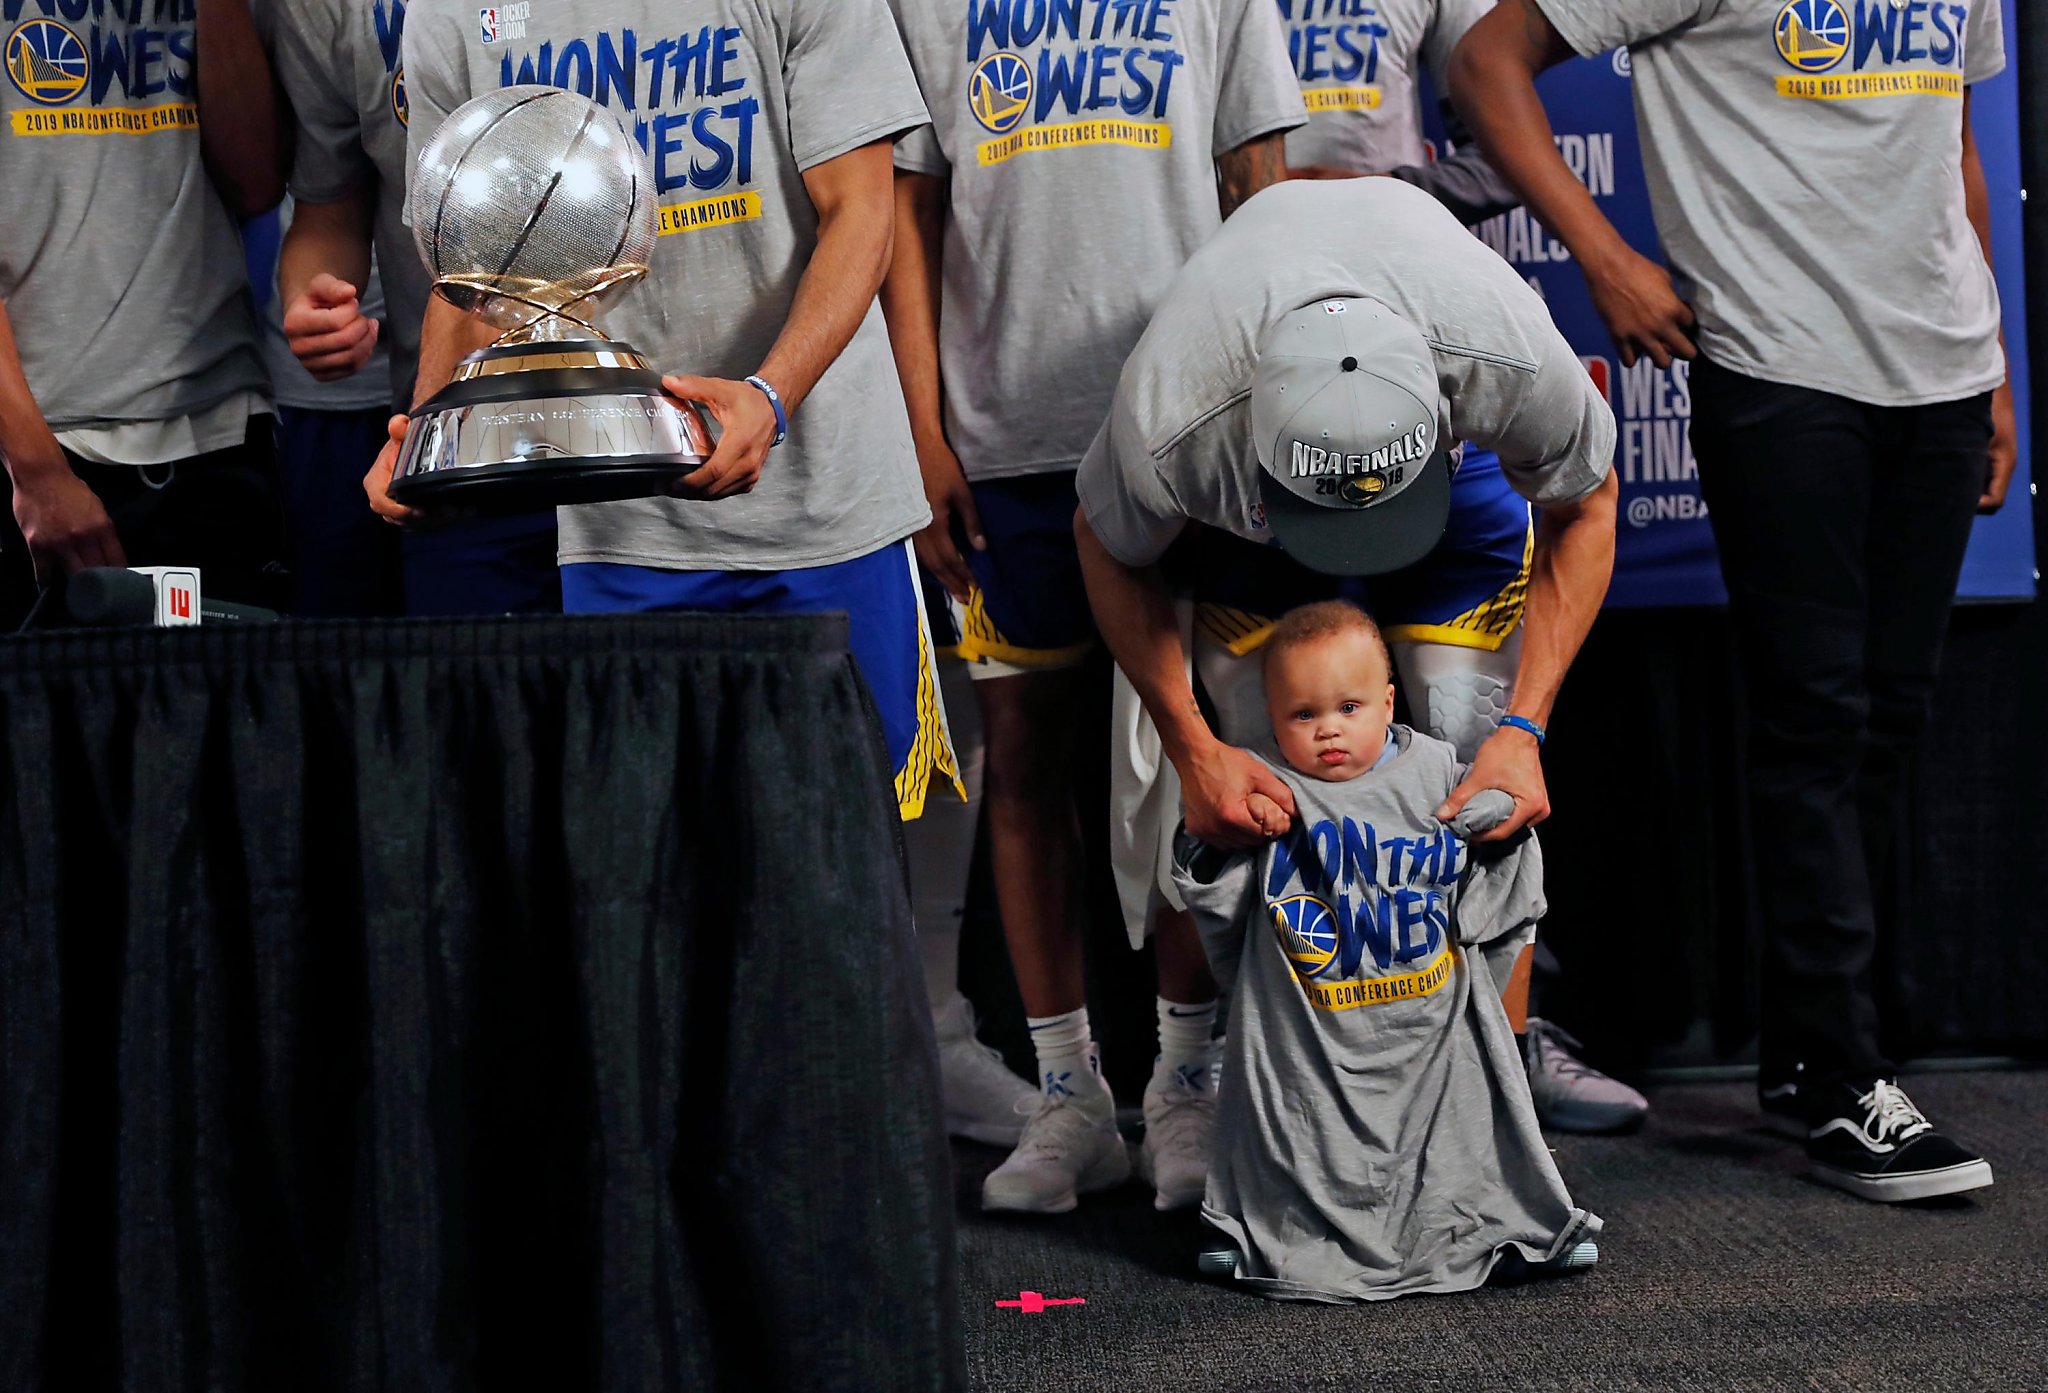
[538, 425]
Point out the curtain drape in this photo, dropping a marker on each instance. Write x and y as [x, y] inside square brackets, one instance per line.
[448, 1006]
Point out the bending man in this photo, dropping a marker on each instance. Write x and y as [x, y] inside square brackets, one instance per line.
[1299, 396]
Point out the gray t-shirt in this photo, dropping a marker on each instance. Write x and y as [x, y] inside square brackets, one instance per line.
[1805, 169]
[1178, 443]
[1374, 1133]
[339, 62]
[1081, 155]
[120, 268]
[1357, 62]
[734, 100]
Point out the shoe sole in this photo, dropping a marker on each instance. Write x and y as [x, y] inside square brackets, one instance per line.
[1161, 1201]
[1920, 1185]
[1595, 1125]
[1218, 1262]
[1112, 1173]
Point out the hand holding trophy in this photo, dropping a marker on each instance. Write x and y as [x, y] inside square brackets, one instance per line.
[532, 206]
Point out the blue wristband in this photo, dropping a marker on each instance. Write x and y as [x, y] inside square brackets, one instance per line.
[1524, 723]
[781, 416]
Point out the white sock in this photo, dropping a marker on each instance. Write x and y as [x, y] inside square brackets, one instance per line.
[1185, 1048]
[1067, 1063]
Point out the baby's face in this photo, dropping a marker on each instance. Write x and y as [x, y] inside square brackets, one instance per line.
[1330, 702]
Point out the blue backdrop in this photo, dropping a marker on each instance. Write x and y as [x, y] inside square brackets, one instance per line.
[1665, 553]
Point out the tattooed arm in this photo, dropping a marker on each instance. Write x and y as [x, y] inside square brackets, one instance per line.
[1252, 166]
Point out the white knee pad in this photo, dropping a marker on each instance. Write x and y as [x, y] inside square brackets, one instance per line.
[1459, 694]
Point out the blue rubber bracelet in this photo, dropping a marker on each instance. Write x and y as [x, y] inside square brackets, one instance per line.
[1524, 723]
[781, 416]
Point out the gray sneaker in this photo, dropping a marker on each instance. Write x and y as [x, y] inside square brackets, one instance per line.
[1571, 1095]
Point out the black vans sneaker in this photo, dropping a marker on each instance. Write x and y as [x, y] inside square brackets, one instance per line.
[1783, 1107]
[1871, 1141]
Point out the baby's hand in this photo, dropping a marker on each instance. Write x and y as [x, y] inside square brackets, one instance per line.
[1486, 810]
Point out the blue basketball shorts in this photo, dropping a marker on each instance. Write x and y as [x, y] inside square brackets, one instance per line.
[1028, 611]
[1471, 592]
[891, 645]
[492, 565]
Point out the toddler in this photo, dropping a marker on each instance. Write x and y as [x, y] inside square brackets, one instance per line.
[1375, 1135]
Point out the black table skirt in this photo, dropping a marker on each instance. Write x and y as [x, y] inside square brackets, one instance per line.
[461, 1005]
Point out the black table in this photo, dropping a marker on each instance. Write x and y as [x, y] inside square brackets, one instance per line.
[452, 1005]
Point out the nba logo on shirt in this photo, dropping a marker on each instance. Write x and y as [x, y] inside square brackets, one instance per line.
[504, 21]
[1335, 307]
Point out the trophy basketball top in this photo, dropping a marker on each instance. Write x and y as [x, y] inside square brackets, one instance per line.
[530, 207]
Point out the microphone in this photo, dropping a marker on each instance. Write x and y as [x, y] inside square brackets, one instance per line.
[103, 597]
[212, 611]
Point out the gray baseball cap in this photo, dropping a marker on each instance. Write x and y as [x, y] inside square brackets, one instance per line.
[1355, 478]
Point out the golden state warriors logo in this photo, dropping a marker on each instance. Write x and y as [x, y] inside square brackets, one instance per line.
[46, 62]
[999, 92]
[1362, 489]
[1813, 35]
[1308, 933]
[399, 106]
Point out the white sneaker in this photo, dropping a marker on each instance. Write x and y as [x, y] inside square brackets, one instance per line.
[1070, 1148]
[985, 1102]
[1180, 1124]
[1571, 1095]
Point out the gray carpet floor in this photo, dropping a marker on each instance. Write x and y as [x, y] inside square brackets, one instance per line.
[1722, 1267]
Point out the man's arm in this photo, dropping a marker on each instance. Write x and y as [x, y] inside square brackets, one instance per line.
[854, 196]
[2005, 446]
[1573, 564]
[1231, 799]
[1252, 166]
[447, 335]
[910, 302]
[62, 520]
[241, 121]
[1493, 82]
[321, 271]
[1464, 181]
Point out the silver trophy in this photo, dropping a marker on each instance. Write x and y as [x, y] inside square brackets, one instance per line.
[531, 207]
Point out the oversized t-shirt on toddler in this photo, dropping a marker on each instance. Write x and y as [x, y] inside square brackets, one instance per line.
[1804, 159]
[1080, 141]
[734, 100]
[1374, 1133]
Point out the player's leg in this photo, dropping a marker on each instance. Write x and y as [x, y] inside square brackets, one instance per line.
[344, 558]
[886, 634]
[1787, 473]
[1025, 631]
[940, 845]
[1841, 529]
[1180, 1098]
[984, 1100]
[221, 512]
[1454, 625]
[503, 565]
